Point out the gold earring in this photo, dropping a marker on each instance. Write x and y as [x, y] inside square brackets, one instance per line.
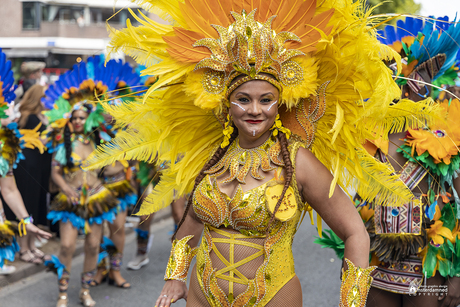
[278, 126]
[228, 131]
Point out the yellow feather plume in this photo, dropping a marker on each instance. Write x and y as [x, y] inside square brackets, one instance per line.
[404, 115]
[381, 184]
[6, 229]
[176, 117]
[32, 139]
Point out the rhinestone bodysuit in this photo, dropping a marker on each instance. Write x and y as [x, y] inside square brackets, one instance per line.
[248, 213]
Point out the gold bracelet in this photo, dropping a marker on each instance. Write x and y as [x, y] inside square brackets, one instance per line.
[356, 283]
[180, 259]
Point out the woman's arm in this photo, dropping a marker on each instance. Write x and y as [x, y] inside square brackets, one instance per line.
[14, 200]
[175, 290]
[12, 197]
[314, 181]
[58, 179]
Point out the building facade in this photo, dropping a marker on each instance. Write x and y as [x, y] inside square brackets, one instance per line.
[59, 32]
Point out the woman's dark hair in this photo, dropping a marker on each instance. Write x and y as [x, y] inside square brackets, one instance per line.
[68, 146]
[220, 152]
[68, 140]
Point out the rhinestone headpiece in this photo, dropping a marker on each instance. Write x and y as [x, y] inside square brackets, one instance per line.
[248, 47]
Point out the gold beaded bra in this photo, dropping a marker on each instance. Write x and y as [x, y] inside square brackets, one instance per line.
[247, 212]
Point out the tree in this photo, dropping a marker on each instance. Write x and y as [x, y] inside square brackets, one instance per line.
[395, 6]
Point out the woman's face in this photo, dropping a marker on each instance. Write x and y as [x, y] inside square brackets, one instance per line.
[78, 120]
[253, 108]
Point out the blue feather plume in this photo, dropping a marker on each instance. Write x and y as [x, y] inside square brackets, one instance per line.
[55, 265]
[7, 252]
[144, 234]
[110, 75]
[6, 77]
[439, 36]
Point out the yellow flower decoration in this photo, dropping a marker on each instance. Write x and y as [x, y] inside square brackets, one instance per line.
[443, 138]
[455, 233]
[228, 130]
[437, 232]
[278, 126]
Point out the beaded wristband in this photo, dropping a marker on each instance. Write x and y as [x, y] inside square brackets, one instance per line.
[22, 225]
[180, 259]
[356, 283]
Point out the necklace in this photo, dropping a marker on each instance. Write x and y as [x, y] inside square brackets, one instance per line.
[80, 137]
[239, 161]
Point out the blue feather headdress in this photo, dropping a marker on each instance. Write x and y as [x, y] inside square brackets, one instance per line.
[87, 82]
[11, 143]
[6, 84]
[421, 40]
[90, 80]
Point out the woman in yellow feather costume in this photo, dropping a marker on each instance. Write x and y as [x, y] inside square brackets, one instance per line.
[296, 86]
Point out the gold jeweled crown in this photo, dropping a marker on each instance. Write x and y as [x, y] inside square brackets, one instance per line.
[248, 47]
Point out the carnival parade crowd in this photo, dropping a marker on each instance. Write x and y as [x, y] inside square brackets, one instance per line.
[244, 116]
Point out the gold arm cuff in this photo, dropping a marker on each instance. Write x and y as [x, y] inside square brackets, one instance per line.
[356, 283]
[180, 259]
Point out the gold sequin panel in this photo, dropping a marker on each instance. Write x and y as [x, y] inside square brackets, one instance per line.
[245, 212]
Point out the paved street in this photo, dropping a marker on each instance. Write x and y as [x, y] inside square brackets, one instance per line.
[318, 270]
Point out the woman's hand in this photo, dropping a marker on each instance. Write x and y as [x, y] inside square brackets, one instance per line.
[452, 297]
[31, 228]
[72, 195]
[173, 291]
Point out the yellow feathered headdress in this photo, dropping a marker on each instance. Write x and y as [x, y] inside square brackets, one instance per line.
[325, 58]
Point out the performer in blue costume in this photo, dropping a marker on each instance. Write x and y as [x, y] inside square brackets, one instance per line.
[11, 143]
[83, 202]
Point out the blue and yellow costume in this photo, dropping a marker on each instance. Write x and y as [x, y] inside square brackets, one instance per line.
[70, 92]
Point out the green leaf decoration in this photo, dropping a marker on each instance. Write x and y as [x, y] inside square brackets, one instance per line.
[94, 120]
[331, 240]
[445, 251]
[451, 246]
[440, 169]
[447, 79]
[3, 108]
[444, 267]
[401, 82]
[431, 195]
[406, 49]
[457, 246]
[61, 107]
[145, 174]
[448, 216]
[430, 261]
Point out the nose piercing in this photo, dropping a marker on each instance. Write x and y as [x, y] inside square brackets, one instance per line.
[238, 106]
[272, 105]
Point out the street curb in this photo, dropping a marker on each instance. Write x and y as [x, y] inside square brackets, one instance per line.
[25, 270]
